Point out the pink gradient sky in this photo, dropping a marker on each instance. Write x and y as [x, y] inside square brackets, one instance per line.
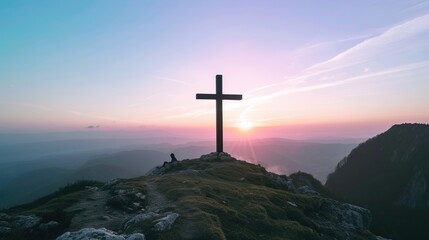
[305, 70]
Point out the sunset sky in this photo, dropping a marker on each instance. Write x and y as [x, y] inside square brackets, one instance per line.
[342, 67]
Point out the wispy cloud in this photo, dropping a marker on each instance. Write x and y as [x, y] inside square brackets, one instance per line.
[371, 46]
[173, 80]
[76, 112]
[419, 6]
[358, 55]
[33, 105]
[142, 103]
[334, 42]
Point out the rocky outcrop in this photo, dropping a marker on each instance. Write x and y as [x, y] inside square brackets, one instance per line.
[223, 156]
[336, 220]
[307, 190]
[139, 219]
[101, 233]
[18, 226]
[164, 224]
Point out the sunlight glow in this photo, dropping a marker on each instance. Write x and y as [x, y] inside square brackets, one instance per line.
[245, 125]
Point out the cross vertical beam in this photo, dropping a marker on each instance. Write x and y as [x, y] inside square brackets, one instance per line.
[219, 97]
[219, 114]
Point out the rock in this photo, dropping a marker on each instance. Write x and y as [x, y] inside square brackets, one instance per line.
[307, 190]
[164, 224]
[336, 220]
[139, 219]
[281, 180]
[5, 230]
[141, 196]
[26, 222]
[49, 225]
[92, 189]
[121, 192]
[136, 236]
[101, 233]
[111, 183]
[217, 156]
[5, 217]
[382, 238]
[356, 216]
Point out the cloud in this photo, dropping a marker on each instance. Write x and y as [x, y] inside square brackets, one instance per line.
[181, 82]
[419, 6]
[142, 103]
[75, 112]
[371, 46]
[348, 65]
[33, 105]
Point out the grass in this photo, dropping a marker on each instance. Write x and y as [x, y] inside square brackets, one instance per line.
[62, 198]
[51, 208]
[234, 200]
[125, 201]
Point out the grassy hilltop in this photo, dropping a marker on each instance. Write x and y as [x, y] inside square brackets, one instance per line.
[213, 197]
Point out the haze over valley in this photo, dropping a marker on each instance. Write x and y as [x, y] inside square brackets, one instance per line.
[34, 169]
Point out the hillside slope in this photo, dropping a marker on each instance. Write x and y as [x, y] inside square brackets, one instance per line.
[213, 197]
[389, 174]
[33, 184]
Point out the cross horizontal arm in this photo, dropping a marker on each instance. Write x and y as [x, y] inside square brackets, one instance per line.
[206, 96]
[232, 96]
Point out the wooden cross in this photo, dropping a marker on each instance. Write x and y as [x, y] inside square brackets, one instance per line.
[219, 96]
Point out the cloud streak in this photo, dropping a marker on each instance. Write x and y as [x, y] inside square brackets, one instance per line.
[356, 56]
[173, 80]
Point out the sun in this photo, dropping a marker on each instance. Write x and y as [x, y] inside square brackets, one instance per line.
[245, 125]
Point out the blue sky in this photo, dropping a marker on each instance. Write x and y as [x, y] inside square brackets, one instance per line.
[65, 65]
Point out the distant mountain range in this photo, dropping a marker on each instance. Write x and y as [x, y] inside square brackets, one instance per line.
[31, 172]
[389, 174]
[33, 184]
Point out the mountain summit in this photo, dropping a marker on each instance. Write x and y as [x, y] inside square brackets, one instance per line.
[213, 197]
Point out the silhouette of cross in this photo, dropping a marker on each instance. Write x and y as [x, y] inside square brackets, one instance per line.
[219, 96]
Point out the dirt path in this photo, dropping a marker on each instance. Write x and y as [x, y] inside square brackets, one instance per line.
[156, 200]
[93, 212]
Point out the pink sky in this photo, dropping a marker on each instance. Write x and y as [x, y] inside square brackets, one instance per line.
[330, 70]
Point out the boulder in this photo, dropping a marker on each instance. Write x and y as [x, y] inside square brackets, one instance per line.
[101, 233]
[217, 156]
[357, 216]
[307, 190]
[164, 224]
[49, 225]
[138, 219]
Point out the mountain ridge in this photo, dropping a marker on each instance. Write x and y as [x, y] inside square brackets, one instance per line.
[389, 174]
[212, 197]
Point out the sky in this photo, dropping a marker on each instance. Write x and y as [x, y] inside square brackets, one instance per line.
[305, 68]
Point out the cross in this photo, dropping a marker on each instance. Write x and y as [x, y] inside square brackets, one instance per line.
[219, 96]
